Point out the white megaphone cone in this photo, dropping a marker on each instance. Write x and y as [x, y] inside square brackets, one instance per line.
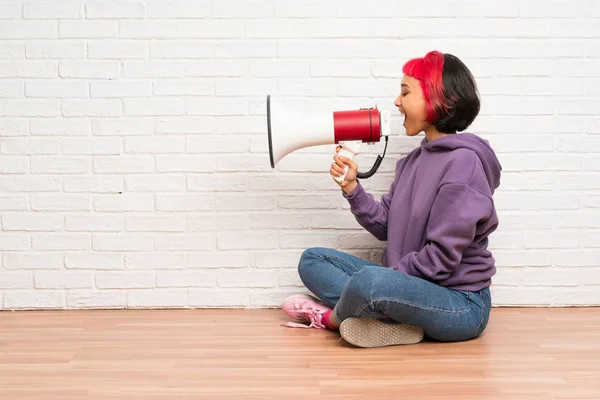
[290, 130]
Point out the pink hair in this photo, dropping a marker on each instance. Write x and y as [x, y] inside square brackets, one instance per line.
[428, 70]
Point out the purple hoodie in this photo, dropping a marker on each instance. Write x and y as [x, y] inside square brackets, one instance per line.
[438, 213]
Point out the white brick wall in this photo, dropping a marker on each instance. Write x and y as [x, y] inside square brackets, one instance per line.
[133, 155]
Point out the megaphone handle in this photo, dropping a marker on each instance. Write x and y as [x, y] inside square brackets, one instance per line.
[348, 154]
[346, 151]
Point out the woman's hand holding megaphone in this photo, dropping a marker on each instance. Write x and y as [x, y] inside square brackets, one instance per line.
[338, 169]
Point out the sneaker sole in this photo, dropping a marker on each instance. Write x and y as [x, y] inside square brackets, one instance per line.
[370, 332]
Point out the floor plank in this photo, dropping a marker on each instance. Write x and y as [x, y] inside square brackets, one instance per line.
[538, 353]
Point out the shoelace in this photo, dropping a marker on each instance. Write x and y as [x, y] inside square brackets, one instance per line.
[310, 314]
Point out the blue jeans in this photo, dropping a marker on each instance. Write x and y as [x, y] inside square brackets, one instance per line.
[357, 288]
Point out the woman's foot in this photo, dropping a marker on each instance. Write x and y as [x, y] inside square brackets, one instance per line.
[370, 332]
[305, 308]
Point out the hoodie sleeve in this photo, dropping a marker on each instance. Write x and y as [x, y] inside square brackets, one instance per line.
[452, 227]
[370, 213]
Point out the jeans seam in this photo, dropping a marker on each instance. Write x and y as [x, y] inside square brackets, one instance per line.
[415, 306]
[485, 295]
[477, 332]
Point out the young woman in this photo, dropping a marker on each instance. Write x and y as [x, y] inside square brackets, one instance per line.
[436, 220]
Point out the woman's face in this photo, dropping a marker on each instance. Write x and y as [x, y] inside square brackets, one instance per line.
[412, 105]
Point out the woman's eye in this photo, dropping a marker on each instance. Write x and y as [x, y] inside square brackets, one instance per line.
[404, 94]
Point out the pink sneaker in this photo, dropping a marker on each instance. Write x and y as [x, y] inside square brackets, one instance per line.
[304, 308]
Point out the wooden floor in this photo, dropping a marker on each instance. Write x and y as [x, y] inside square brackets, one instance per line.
[245, 354]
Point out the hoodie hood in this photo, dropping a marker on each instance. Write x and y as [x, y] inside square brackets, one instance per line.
[481, 147]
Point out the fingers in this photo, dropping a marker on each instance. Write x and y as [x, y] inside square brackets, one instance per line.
[339, 162]
[341, 166]
[337, 169]
[349, 162]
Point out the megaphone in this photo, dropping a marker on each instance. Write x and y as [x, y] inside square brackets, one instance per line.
[291, 130]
